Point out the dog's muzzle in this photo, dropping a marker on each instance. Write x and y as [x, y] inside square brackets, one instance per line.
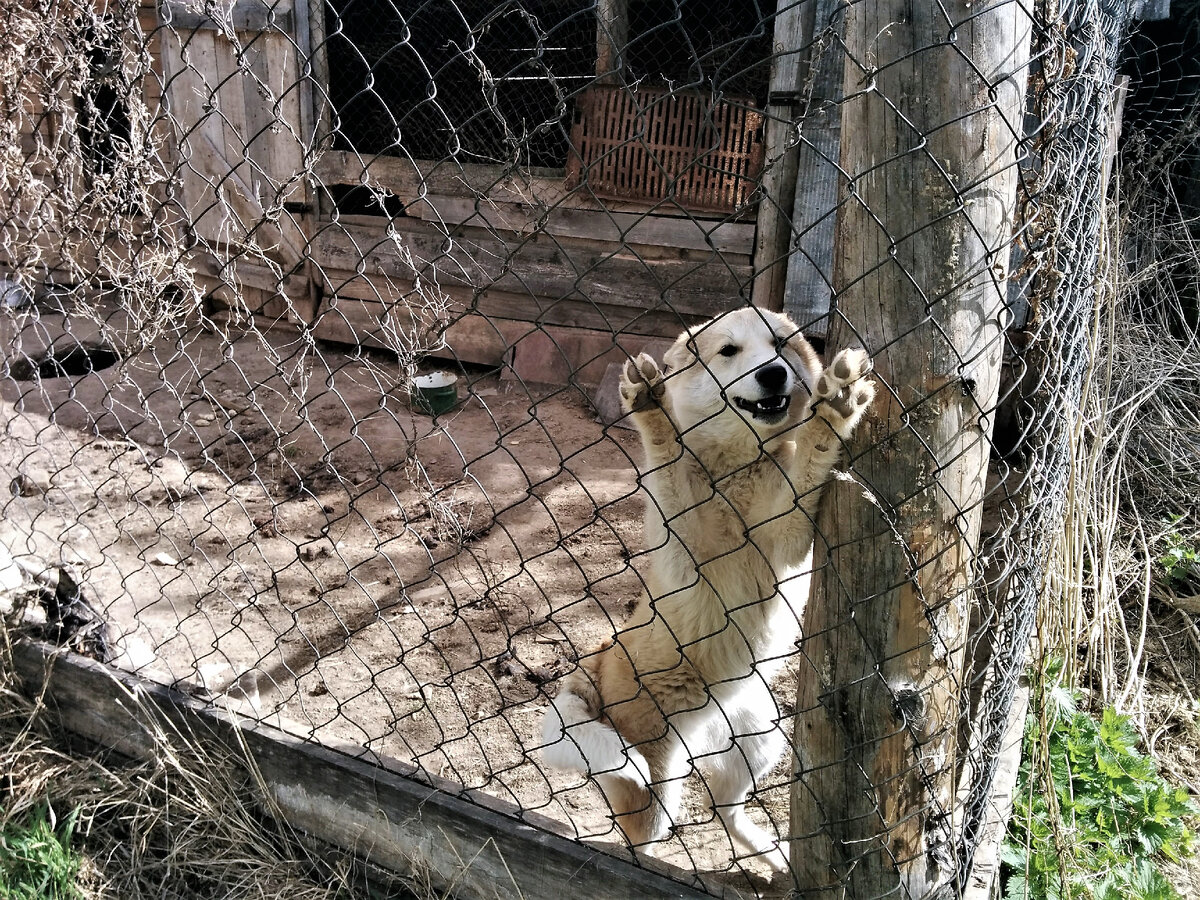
[767, 409]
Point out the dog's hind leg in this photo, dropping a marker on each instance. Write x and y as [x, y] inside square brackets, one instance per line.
[756, 745]
[647, 816]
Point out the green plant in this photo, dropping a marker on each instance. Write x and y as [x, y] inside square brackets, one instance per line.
[1179, 560]
[1092, 815]
[36, 859]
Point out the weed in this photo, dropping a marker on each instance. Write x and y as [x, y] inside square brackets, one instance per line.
[1092, 816]
[36, 859]
[1179, 560]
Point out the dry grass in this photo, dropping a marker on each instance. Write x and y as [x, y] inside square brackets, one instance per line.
[1127, 637]
[190, 823]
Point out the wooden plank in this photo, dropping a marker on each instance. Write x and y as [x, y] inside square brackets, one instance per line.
[410, 181]
[537, 353]
[625, 229]
[469, 338]
[244, 15]
[272, 137]
[187, 57]
[538, 266]
[493, 304]
[808, 288]
[234, 101]
[793, 35]
[382, 810]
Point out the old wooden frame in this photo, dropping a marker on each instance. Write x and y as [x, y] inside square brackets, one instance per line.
[380, 810]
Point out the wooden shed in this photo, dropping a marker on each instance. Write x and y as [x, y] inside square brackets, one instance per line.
[554, 170]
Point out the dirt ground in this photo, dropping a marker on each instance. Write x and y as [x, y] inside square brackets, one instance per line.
[269, 524]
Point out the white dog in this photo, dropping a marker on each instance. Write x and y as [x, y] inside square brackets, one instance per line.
[740, 430]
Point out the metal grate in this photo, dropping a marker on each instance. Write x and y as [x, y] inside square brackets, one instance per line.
[652, 144]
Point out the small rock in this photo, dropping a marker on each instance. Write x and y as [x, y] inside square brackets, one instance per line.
[30, 483]
[164, 559]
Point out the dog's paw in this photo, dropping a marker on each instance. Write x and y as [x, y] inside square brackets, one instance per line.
[777, 859]
[844, 392]
[642, 384]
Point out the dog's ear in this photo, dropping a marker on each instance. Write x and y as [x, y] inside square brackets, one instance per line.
[682, 353]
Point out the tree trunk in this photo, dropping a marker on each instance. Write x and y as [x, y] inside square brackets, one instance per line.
[931, 121]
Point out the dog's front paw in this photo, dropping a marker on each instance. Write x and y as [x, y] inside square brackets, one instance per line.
[642, 384]
[844, 392]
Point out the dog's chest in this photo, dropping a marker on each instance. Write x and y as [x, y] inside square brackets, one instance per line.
[751, 513]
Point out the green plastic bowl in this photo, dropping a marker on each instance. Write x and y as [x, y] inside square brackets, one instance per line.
[435, 393]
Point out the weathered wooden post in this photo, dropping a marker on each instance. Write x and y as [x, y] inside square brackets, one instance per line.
[934, 96]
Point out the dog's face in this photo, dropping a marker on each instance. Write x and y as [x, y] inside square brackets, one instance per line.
[746, 367]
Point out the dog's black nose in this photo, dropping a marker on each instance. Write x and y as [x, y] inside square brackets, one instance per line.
[772, 377]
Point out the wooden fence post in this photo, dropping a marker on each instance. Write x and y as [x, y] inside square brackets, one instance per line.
[934, 97]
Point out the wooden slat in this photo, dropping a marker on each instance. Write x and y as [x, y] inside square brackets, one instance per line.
[409, 181]
[246, 15]
[383, 810]
[808, 291]
[233, 102]
[630, 229]
[793, 30]
[542, 353]
[500, 304]
[539, 267]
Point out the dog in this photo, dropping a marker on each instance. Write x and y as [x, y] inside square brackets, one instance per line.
[739, 430]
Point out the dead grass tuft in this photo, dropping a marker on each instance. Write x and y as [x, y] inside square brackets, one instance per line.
[190, 823]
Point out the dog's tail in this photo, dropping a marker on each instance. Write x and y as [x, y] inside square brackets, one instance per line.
[574, 737]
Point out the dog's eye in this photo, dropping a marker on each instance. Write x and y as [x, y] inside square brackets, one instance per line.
[780, 342]
[728, 350]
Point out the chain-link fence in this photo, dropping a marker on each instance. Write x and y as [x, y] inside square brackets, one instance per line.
[323, 326]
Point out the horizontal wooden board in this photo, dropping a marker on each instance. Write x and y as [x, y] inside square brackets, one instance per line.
[467, 844]
[545, 269]
[542, 354]
[410, 180]
[621, 229]
[245, 15]
[571, 313]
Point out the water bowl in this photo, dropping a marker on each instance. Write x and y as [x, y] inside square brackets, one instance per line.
[435, 393]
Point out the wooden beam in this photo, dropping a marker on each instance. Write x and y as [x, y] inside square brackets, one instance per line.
[930, 136]
[381, 292]
[808, 290]
[793, 35]
[538, 266]
[540, 189]
[382, 810]
[612, 36]
[244, 15]
[599, 225]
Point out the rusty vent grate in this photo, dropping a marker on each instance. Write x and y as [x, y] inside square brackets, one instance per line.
[652, 144]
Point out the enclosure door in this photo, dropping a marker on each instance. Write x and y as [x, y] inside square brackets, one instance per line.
[237, 103]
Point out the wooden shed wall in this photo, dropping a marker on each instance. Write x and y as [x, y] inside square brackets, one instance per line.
[520, 248]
